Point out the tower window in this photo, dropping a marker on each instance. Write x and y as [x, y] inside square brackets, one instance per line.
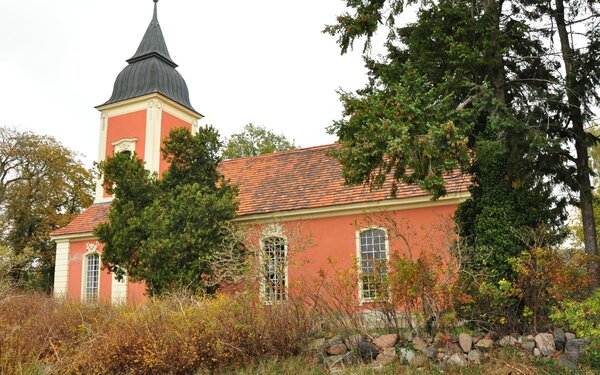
[274, 256]
[125, 146]
[373, 258]
[128, 153]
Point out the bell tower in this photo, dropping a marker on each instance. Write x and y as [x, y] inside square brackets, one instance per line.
[149, 99]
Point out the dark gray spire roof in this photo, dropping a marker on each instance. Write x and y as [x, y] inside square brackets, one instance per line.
[151, 70]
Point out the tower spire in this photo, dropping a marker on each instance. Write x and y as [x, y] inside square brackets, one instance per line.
[151, 70]
[155, 18]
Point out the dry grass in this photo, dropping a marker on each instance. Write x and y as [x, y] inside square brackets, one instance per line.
[176, 335]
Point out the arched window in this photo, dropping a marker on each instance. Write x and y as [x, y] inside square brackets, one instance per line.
[274, 258]
[91, 277]
[373, 257]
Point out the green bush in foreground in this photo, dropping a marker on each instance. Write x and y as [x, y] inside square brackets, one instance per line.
[584, 318]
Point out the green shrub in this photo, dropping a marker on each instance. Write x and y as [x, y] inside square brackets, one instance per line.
[583, 317]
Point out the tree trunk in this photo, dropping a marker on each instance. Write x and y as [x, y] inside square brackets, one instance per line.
[496, 72]
[581, 145]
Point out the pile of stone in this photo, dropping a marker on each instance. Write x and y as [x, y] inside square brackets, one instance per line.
[456, 350]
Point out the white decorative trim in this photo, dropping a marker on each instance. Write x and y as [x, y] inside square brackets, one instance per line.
[61, 269]
[75, 236]
[362, 300]
[101, 155]
[153, 124]
[355, 208]
[141, 103]
[272, 230]
[91, 247]
[125, 144]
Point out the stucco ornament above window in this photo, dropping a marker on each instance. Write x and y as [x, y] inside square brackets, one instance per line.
[91, 247]
[125, 145]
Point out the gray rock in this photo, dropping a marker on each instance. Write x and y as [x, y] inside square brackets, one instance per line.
[570, 336]
[386, 341]
[484, 343]
[474, 356]
[408, 336]
[452, 349]
[317, 344]
[545, 343]
[457, 360]
[565, 362]
[529, 338]
[575, 347]
[528, 346]
[419, 343]
[337, 349]
[353, 341]
[334, 360]
[537, 352]
[387, 356]
[406, 355]
[367, 351]
[430, 352]
[466, 342]
[350, 359]
[507, 341]
[477, 336]
[559, 339]
[419, 360]
[334, 341]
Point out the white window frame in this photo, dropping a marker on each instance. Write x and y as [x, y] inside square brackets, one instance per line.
[274, 232]
[92, 250]
[124, 145]
[360, 231]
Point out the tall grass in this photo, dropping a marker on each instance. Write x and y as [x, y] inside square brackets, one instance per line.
[176, 334]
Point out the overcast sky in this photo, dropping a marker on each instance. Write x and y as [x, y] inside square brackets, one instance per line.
[261, 61]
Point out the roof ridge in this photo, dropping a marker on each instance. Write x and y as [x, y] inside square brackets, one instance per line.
[278, 153]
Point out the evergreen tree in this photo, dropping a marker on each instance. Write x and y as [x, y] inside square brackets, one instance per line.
[165, 231]
[510, 120]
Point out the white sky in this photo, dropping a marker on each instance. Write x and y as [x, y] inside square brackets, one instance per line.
[261, 61]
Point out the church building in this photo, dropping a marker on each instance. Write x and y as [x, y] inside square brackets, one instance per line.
[291, 197]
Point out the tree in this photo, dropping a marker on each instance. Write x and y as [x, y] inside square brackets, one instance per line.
[43, 186]
[580, 84]
[166, 231]
[256, 140]
[490, 65]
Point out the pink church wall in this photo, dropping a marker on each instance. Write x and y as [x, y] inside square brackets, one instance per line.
[77, 250]
[136, 293]
[334, 238]
[318, 246]
[168, 123]
[129, 125]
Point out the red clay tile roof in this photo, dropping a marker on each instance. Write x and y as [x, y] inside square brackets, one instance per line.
[285, 181]
[87, 221]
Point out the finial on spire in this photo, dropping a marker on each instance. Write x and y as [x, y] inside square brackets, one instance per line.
[155, 16]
